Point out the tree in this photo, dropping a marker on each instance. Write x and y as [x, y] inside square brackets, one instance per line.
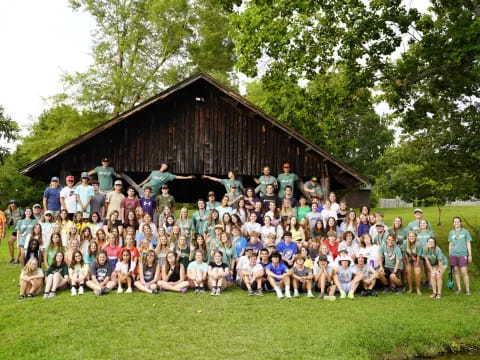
[142, 46]
[8, 133]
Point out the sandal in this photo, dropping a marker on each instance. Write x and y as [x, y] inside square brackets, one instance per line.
[433, 296]
[21, 297]
[458, 292]
[468, 293]
[439, 296]
[29, 295]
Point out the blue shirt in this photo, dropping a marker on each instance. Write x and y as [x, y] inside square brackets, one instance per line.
[240, 244]
[53, 198]
[148, 205]
[279, 270]
[288, 251]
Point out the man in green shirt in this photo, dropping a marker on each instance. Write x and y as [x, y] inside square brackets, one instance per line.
[165, 199]
[200, 217]
[313, 189]
[286, 179]
[264, 180]
[159, 177]
[415, 224]
[228, 182]
[105, 175]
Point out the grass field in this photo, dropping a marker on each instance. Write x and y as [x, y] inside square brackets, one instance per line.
[235, 326]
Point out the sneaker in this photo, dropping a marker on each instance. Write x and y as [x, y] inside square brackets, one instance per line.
[51, 294]
[11, 261]
[197, 290]
[400, 291]
[330, 298]
[30, 295]
[287, 295]
[17, 262]
[343, 295]
[458, 292]
[119, 290]
[250, 292]
[279, 293]
[321, 296]
[201, 290]
[105, 290]
[214, 291]
[259, 292]
[74, 291]
[386, 290]
[21, 297]
[374, 293]
[296, 294]
[97, 292]
[45, 295]
[80, 290]
[219, 291]
[129, 291]
[350, 295]
[310, 295]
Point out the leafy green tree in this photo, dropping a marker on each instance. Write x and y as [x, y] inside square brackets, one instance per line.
[8, 132]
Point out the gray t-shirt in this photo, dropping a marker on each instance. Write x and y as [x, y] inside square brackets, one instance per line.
[345, 275]
[97, 203]
[301, 273]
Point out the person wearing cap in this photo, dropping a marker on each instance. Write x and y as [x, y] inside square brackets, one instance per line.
[287, 178]
[377, 218]
[312, 189]
[415, 224]
[264, 180]
[233, 197]
[287, 248]
[114, 199]
[84, 194]
[390, 260]
[159, 177]
[165, 199]
[68, 199]
[13, 214]
[251, 275]
[381, 234]
[278, 275]
[323, 278]
[105, 174]
[301, 277]
[368, 275]
[211, 202]
[345, 277]
[51, 197]
[98, 201]
[37, 212]
[227, 183]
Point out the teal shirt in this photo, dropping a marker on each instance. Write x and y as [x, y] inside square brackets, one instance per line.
[302, 212]
[105, 177]
[157, 179]
[422, 238]
[264, 181]
[435, 256]
[401, 235]
[458, 240]
[284, 181]
[390, 256]
[228, 183]
[24, 227]
[415, 250]
[200, 221]
[380, 240]
[415, 226]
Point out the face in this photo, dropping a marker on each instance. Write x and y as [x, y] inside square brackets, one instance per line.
[217, 257]
[327, 204]
[303, 201]
[171, 258]
[33, 264]
[59, 258]
[56, 239]
[267, 220]
[78, 257]
[184, 213]
[423, 225]
[130, 192]
[418, 215]
[332, 197]
[286, 169]
[303, 251]
[165, 189]
[28, 212]
[95, 187]
[147, 193]
[147, 218]
[126, 256]
[314, 207]
[351, 215]
[94, 217]
[201, 205]
[266, 170]
[200, 240]
[275, 260]
[198, 256]
[163, 167]
[271, 206]
[390, 241]
[331, 222]
[70, 183]
[182, 240]
[151, 257]
[102, 259]
[269, 189]
[253, 218]
[380, 229]
[457, 222]
[252, 260]
[431, 243]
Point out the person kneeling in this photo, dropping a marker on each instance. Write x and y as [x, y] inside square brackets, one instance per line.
[251, 275]
[217, 273]
[301, 276]
[31, 279]
[278, 275]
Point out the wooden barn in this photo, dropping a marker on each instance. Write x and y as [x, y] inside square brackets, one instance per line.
[199, 127]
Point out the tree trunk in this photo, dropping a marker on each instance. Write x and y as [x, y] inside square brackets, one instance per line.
[439, 222]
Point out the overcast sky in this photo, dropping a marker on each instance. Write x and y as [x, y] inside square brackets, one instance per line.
[39, 41]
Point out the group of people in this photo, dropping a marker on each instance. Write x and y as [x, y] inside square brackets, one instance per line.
[282, 236]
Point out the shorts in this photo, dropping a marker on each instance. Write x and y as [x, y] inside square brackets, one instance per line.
[345, 286]
[229, 278]
[389, 271]
[14, 233]
[459, 261]
[244, 286]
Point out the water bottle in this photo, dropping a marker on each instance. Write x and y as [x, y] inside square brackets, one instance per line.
[372, 263]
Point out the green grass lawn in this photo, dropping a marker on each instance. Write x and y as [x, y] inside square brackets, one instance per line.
[235, 326]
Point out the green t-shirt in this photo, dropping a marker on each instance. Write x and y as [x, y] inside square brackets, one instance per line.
[105, 177]
[415, 250]
[459, 241]
[284, 181]
[317, 188]
[435, 256]
[401, 235]
[415, 226]
[157, 179]
[264, 181]
[422, 238]
[302, 212]
[228, 183]
[390, 256]
[200, 221]
[163, 201]
[380, 239]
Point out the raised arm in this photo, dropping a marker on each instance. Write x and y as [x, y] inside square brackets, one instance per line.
[211, 178]
[178, 177]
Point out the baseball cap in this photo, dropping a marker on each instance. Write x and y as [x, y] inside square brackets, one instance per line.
[118, 182]
[85, 175]
[286, 165]
[36, 205]
[314, 179]
[70, 178]
[418, 210]
[379, 223]
[211, 193]
[55, 178]
[105, 160]
[48, 212]
[12, 202]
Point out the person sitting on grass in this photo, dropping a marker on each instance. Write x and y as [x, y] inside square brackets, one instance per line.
[197, 273]
[301, 277]
[173, 275]
[345, 278]
[148, 274]
[31, 279]
[77, 273]
[56, 276]
[125, 269]
[278, 275]
[217, 273]
[251, 275]
[323, 278]
[412, 256]
[100, 275]
[368, 275]
[390, 260]
[437, 263]
[287, 248]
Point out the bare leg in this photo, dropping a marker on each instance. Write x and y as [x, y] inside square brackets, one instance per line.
[466, 279]
[456, 270]
[11, 246]
[143, 288]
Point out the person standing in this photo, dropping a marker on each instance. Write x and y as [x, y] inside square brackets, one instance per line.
[286, 179]
[84, 194]
[159, 177]
[98, 201]
[460, 250]
[14, 214]
[228, 183]
[264, 180]
[129, 203]
[200, 217]
[148, 203]
[105, 174]
[415, 224]
[51, 197]
[114, 199]
[165, 199]
[211, 203]
[68, 199]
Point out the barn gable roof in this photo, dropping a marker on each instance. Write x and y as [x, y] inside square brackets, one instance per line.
[166, 93]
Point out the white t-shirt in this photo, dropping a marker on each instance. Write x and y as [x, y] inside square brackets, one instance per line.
[251, 269]
[265, 230]
[68, 194]
[316, 269]
[249, 227]
[371, 253]
[122, 268]
[325, 214]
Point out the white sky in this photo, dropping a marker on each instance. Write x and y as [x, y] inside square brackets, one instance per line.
[40, 39]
